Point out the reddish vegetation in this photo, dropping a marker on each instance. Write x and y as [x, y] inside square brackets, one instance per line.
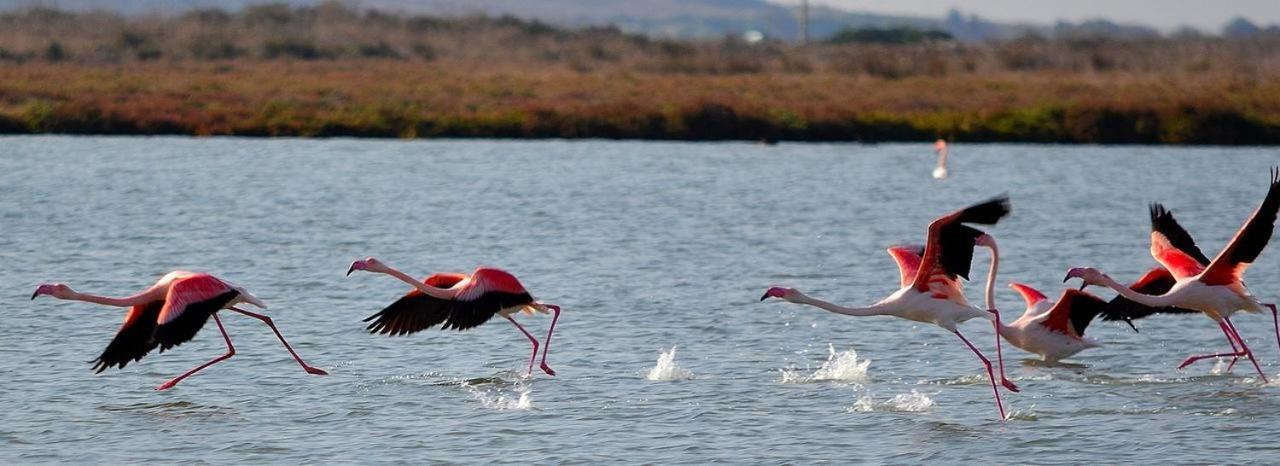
[384, 76]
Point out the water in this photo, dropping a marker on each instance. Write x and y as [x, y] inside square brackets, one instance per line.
[648, 246]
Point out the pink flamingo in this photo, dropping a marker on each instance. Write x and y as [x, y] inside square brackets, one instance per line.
[169, 314]
[940, 171]
[931, 291]
[460, 302]
[1216, 289]
[1054, 330]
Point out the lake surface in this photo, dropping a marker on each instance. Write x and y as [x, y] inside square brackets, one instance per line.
[648, 246]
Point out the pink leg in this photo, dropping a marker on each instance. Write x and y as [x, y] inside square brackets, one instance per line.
[267, 320]
[231, 351]
[1245, 348]
[1275, 317]
[532, 340]
[992, 375]
[1008, 384]
[546, 344]
[1235, 353]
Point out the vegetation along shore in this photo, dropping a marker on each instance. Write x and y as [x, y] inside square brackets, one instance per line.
[333, 71]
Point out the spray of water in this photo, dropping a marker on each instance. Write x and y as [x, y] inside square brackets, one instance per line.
[839, 367]
[666, 368]
[913, 402]
[498, 398]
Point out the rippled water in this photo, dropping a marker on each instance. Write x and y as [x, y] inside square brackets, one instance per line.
[649, 247]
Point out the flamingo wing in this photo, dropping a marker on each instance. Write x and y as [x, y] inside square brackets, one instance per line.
[1155, 282]
[951, 244]
[187, 306]
[1073, 312]
[487, 292]
[908, 260]
[1029, 294]
[416, 311]
[1248, 243]
[1173, 247]
[133, 340]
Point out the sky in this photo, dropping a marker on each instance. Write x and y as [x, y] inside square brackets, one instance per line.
[1162, 14]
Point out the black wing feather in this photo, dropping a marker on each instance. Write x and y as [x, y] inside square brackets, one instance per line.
[1258, 232]
[133, 341]
[1162, 222]
[412, 313]
[184, 327]
[1084, 307]
[469, 314]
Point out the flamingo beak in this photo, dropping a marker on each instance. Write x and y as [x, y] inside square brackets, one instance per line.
[357, 265]
[1074, 273]
[33, 295]
[762, 298]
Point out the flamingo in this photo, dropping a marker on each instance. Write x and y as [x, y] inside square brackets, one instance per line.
[940, 172]
[1054, 330]
[1215, 288]
[458, 301]
[928, 275]
[168, 314]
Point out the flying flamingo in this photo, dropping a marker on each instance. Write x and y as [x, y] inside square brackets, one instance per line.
[460, 302]
[940, 172]
[931, 291]
[169, 314]
[1054, 330]
[1216, 289]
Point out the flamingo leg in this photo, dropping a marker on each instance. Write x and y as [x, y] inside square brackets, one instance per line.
[1008, 384]
[1235, 352]
[1245, 348]
[532, 340]
[546, 345]
[231, 351]
[267, 320]
[986, 362]
[1275, 317]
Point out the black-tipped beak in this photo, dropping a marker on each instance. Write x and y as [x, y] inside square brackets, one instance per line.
[33, 295]
[351, 269]
[1068, 277]
[766, 296]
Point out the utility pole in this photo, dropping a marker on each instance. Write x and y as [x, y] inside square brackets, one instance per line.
[804, 22]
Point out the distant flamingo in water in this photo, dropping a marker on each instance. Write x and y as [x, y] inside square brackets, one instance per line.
[1053, 329]
[458, 301]
[168, 314]
[940, 172]
[931, 291]
[1215, 288]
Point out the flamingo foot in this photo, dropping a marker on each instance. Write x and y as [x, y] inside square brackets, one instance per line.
[547, 369]
[167, 385]
[315, 370]
[1008, 384]
[1188, 362]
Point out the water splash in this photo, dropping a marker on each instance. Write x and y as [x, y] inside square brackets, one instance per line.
[1028, 414]
[840, 367]
[666, 368]
[1219, 366]
[500, 399]
[913, 402]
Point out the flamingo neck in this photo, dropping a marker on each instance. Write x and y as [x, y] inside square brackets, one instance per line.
[990, 295]
[1140, 298]
[874, 310]
[140, 298]
[440, 293]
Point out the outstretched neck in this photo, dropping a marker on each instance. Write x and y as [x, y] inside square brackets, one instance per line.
[1129, 293]
[990, 296]
[441, 293]
[874, 310]
[137, 299]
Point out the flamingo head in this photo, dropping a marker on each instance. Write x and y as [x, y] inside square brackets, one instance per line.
[57, 290]
[940, 145]
[779, 292]
[985, 240]
[1087, 275]
[368, 264]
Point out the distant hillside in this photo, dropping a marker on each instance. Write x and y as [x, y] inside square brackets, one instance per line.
[658, 18]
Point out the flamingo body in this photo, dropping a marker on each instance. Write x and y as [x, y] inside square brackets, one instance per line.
[1053, 329]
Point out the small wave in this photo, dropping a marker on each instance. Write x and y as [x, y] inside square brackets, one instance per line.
[666, 368]
[1219, 366]
[496, 398]
[913, 402]
[839, 367]
[1028, 414]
